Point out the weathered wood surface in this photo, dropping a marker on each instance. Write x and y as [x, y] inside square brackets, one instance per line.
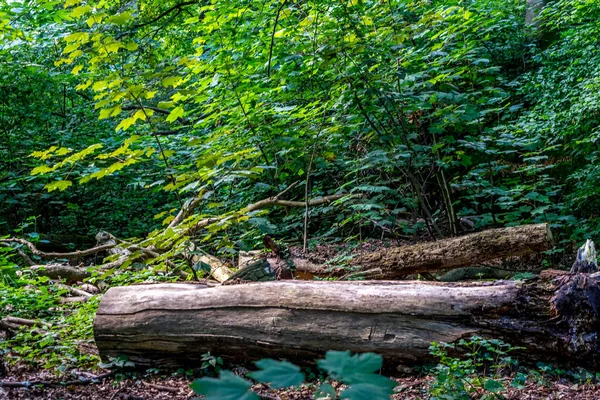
[62, 271]
[462, 251]
[174, 324]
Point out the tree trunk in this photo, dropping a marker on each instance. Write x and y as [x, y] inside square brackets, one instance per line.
[174, 324]
[463, 251]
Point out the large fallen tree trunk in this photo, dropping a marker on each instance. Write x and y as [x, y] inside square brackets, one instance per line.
[462, 251]
[555, 315]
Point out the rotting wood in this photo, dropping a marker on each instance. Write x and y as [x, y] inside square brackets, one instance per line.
[169, 324]
[462, 251]
[62, 271]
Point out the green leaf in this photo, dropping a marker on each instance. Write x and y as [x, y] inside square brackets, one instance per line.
[325, 391]
[356, 370]
[228, 386]
[367, 391]
[119, 19]
[60, 185]
[341, 363]
[278, 374]
[177, 112]
[493, 386]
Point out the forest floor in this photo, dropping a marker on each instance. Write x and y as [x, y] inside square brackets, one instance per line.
[167, 386]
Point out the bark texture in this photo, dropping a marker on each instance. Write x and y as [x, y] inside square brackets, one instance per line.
[174, 324]
[61, 271]
[457, 252]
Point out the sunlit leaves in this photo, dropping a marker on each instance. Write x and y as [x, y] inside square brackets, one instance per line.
[120, 19]
[58, 185]
[79, 11]
[176, 113]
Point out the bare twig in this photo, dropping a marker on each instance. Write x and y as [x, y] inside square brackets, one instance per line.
[273, 37]
[73, 254]
[76, 292]
[161, 387]
[28, 384]
[21, 253]
[176, 7]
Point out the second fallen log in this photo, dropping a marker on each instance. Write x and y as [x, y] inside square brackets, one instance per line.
[462, 251]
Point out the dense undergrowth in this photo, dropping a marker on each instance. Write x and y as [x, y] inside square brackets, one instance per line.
[446, 116]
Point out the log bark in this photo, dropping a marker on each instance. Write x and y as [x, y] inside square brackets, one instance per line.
[61, 271]
[174, 324]
[462, 251]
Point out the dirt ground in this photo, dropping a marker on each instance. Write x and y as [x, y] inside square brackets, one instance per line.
[177, 388]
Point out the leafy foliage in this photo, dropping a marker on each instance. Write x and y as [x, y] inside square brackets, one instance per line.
[358, 371]
[434, 111]
[484, 363]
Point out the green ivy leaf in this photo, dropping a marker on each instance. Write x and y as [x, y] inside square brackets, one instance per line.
[228, 386]
[278, 374]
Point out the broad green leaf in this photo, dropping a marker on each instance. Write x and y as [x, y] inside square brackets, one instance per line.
[42, 169]
[171, 81]
[125, 124]
[325, 392]
[76, 69]
[119, 19]
[60, 185]
[278, 374]
[339, 363]
[79, 11]
[493, 386]
[367, 391]
[70, 3]
[227, 387]
[176, 113]
[356, 369]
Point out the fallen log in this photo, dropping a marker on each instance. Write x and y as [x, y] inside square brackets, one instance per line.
[462, 251]
[62, 271]
[554, 316]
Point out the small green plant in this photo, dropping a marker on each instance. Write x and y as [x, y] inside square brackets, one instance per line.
[358, 371]
[62, 339]
[211, 365]
[479, 372]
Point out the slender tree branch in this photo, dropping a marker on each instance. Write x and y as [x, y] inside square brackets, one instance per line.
[163, 14]
[70, 255]
[28, 384]
[273, 37]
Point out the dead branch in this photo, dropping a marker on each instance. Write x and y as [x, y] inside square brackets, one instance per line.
[71, 255]
[13, 323]
[161, 387]
[69, 300]
[28, 384]
[76, 292]
[19, 321]
[185, 212]
[58, 271]
[21, 253]
[275, 202]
